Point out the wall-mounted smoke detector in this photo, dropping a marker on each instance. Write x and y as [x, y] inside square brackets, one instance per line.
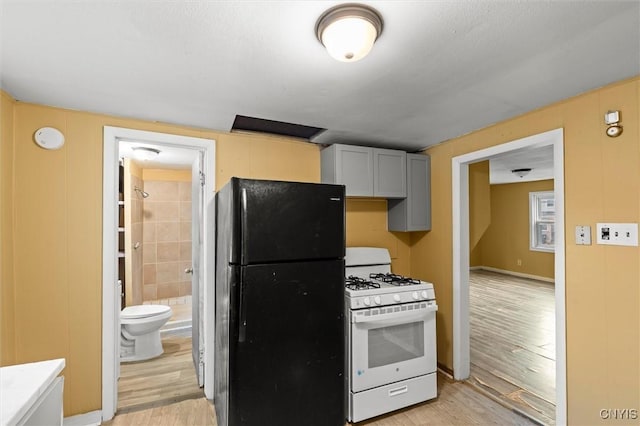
[49, 138]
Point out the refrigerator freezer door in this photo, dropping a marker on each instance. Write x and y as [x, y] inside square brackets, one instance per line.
[286, 360]
[287, 221]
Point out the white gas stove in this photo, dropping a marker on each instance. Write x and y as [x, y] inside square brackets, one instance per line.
[391, 335]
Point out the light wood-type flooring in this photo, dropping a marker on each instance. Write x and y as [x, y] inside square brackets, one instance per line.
[458, 403]
[512, 339]
[163, 391]
[163, 380]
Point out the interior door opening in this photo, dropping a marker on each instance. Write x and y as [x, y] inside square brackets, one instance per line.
[461, 254]
[511, 290]
[156, 250]
[160, 213]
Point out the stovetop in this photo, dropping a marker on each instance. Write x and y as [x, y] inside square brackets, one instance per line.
[381, 283]
[383, 289]
[394, 279]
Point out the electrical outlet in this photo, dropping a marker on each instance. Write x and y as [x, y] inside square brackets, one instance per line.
[583, 235]
[519, 262]
[617, 234]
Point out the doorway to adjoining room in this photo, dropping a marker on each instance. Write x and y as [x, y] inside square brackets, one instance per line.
[155, 269]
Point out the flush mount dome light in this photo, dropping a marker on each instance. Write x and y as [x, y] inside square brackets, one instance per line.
[521, 172]
[144, 153]
[348, 31]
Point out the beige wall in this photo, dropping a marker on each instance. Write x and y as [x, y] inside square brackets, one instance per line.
[58, 250]
[506, 240]
[367, 227]
[7, 302]
[479, 208]
[602, 183]
[57, 254]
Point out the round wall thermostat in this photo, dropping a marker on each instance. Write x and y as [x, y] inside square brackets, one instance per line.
[49, 138]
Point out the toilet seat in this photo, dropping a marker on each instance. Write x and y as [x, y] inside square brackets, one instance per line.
[143, 311]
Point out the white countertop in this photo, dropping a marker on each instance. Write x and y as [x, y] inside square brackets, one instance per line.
[21, 385]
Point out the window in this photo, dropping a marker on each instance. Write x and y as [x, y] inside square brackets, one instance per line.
[542, 223]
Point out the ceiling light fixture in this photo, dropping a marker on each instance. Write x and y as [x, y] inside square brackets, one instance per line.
[144, 153]
[348, 31]
[521, 172]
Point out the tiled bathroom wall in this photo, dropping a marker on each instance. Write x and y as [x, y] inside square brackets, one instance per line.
[166, 239]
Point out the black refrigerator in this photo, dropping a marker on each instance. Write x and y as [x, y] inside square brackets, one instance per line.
[280, 327]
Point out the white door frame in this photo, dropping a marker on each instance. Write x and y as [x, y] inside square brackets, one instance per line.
[110, 334]
[460, 189]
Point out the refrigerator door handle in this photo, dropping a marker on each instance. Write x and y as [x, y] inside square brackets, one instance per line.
[242, 323]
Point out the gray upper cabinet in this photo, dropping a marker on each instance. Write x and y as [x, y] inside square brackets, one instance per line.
[389, 173]
[366, 172]
[414, 212]
[348, 165]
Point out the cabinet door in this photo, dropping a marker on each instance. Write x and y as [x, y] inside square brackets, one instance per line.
[355, 170]
[414, 212]
[390, 173]
[351, 166]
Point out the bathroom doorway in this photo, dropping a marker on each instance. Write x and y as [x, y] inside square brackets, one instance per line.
[167, 192]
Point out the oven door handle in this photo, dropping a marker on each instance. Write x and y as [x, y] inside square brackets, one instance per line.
[395, 316]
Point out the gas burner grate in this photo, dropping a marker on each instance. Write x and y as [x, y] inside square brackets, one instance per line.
[356, 283]
[394, 279]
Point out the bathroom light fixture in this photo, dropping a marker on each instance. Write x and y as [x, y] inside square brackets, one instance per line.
[145, 153]
[521, 172]
[348, 31]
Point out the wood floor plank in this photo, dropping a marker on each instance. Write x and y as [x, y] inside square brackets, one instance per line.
[169, 378]
[512, 341]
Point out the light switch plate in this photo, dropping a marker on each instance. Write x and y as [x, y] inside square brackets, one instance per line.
[617, 234]
[583, 235]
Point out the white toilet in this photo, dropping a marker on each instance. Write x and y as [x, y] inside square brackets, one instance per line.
[140, 331]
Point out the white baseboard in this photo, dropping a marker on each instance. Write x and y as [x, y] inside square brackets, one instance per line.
[93, 418]
[515, 274]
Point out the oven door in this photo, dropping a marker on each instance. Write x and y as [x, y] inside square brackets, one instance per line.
[392, 344]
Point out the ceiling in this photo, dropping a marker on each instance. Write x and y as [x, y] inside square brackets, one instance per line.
[439, 70]
[539, 160]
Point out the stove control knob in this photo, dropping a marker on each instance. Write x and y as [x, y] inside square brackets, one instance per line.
[396, 297]
[424, 294]
[415, 295]
[367, 301]
[377, 300]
